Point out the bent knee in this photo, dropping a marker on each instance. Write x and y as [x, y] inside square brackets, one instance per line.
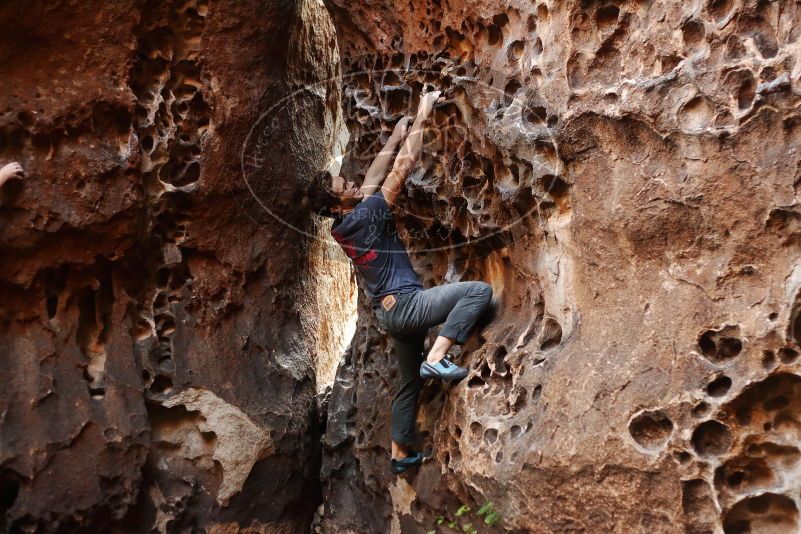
[484, 289]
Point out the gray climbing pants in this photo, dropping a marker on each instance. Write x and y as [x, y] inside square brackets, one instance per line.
[458, 305]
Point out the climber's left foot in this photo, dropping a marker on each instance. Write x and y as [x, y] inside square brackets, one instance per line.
[414, 459]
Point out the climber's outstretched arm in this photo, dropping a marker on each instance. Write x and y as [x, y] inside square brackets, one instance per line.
[410, 152]
[378, 169]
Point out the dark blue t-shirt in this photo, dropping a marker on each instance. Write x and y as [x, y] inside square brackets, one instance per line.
[369, 237]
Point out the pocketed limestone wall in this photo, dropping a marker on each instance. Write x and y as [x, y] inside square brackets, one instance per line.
[159, 329]
[626, 176]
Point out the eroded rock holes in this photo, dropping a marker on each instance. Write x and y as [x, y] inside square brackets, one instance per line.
[453, 210]
[721, 345]
[769, 512]
[711, 439]
[651, 429]
[94, 324]
[719, 386]
[172, 117]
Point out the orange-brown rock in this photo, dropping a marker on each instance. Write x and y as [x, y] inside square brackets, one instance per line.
[626, 176]
[157, 327]
[624, 173]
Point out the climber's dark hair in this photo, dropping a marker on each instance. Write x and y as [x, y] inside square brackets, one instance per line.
[319, 197]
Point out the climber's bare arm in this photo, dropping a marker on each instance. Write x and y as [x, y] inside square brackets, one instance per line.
[378, 170]
[10, 170]
[410, 152]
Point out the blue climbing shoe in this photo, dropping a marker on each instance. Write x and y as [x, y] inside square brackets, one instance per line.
[402, 464]
[443, 369]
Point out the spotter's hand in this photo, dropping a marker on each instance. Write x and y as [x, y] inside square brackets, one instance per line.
[10, 170]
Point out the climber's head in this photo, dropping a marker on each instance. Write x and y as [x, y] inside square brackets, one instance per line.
[332, 196]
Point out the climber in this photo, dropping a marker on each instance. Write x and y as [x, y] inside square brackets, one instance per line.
[10, 170]
[365, 230]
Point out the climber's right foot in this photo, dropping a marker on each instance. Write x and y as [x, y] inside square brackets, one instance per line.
[443, 369]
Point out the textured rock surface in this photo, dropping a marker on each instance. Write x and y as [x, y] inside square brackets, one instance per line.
[158, 330]
[626, 175]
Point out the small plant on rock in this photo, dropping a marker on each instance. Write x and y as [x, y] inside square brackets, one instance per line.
[463, 519]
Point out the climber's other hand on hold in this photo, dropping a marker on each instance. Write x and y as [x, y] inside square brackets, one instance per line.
[427, 104]
[401, 129]
[10, 170]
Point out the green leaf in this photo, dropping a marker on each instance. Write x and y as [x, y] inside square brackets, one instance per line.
[452, 524]
[462, 510]
[487, 508]
[431, 532]
[440, 520]
[467, 528]
[492, 519]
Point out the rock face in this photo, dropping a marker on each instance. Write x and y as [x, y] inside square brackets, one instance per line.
[159, 329]
[626, 175]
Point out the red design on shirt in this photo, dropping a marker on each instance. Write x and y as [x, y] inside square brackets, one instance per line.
[350, 251]
[368, 256]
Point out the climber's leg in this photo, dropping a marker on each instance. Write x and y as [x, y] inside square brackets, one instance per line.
[458, 305]
[409, 354]
[439, 349]
[399, 450]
